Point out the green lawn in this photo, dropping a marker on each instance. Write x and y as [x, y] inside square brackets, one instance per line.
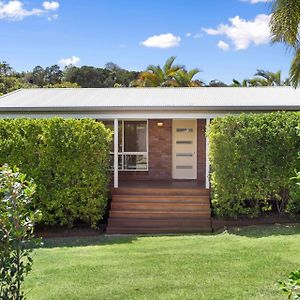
[240, 264]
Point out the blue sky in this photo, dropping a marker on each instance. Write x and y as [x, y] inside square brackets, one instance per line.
[224, 38]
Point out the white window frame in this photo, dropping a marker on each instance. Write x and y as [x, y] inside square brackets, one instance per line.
[123, 153]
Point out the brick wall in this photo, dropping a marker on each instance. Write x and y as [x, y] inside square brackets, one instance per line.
[160, 153]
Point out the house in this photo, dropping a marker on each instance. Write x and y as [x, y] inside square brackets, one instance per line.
[160, 156]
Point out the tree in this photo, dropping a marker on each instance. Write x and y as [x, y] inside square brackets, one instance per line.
[53, 75]
[11, 83]
[184, 78]
[262, 78]
[217, 83]
[257, 81]
[89, 77]
[156, 76]
[6, 69]
[36, 77]
[285, 23]
[271, 78]
[64, 84]
[236, 83]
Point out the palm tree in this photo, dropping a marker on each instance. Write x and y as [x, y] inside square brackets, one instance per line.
[236, 83]
[271, 78]
[184, 78]
[256, 81]
[285, 23]
[262, 78]
[156, 76]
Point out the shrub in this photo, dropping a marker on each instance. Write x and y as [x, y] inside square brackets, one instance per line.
[294, 204]
[68, 160]
[292, 287]
[16, 231]
[253, 157]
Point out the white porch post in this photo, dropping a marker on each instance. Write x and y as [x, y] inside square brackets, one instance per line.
[116, 150]
[207, 185]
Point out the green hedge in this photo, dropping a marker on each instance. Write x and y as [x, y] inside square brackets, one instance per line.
[253, 157]
[68, 160]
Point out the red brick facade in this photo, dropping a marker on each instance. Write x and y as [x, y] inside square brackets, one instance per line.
[160, 153]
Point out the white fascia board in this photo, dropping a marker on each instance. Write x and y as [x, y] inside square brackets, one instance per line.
[118, 115]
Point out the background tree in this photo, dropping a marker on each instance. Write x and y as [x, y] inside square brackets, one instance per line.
[157, 76]
[271, 78]
[5, 69]
[285, 23]
[9, 79]
[170, 75]
[89, 77]
[184, 78]
[64, 84]
[236, 83]
[217, 83]
[53, 75]
[262, 78]
[36, 77]
[122, 76]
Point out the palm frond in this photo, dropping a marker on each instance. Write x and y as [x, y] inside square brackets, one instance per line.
[235, 83]
[295, 70]
[168, 64]
[193, 72]
[285, 22]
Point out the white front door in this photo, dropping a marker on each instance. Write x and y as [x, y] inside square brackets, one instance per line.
[185, 149]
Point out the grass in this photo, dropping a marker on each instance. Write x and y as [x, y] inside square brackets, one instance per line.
[239, 264]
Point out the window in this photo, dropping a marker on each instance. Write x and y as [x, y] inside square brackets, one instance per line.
[133, 145]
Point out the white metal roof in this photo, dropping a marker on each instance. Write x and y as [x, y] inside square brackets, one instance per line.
[112, 99]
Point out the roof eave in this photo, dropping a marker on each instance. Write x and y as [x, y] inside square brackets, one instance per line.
[149, 108]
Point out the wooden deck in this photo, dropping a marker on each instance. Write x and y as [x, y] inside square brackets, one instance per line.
[159, 207]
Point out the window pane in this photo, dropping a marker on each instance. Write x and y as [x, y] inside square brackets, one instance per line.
[135, 162]
[110, 125]
[111, 162]
[135, 136]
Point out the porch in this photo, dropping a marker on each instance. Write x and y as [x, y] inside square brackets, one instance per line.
[160, 177]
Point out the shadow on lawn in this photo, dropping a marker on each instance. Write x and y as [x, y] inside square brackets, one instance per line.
[86, 241]
[266, 230]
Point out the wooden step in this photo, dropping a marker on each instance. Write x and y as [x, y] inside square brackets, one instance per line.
[147, 230]
[159, 214]
[142, 210]
[158, 223]
[159, 206]
[160, 198]
[160, 191]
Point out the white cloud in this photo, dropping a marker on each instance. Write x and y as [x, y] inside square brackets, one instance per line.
[198, 36]
[162, 41]
[51, 5]
[14, 10]
[195, 36]
[74, 60]
[243, 33]
[224, 46]
[256, 1]
[53, 17]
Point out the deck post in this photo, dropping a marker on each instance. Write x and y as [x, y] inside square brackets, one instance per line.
[116, 154]
[207, 165]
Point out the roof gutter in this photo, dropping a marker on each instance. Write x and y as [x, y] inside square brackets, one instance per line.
[149, 108]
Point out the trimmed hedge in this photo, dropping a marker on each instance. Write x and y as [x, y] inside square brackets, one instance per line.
[68, 160]
[253, 157]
